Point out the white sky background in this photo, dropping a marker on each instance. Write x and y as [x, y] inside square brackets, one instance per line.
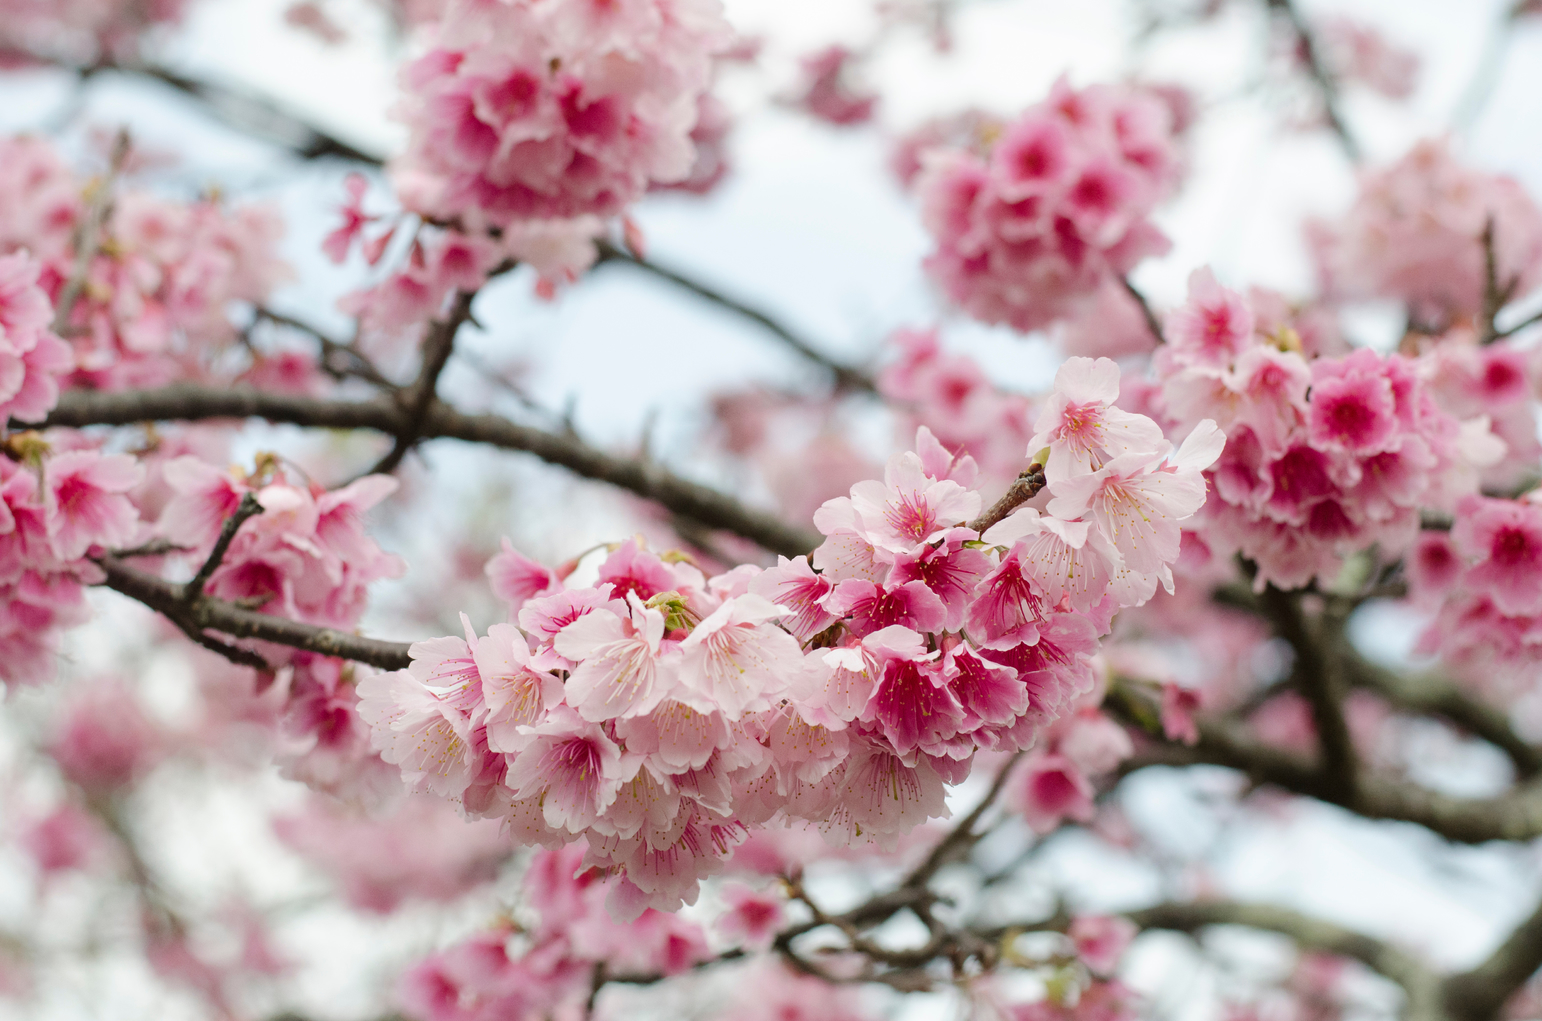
[811, 226]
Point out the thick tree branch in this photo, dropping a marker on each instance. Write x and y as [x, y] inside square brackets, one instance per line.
[1316, 673]
[201, 613]
[846, 377]
[187, 402]
[1479, 994]
[1434, 696]
[1515, 815]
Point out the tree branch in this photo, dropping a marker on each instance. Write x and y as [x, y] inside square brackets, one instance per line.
[1316, 673]
[240, 109]
[1325, 84]
[1435, 696]
[1152, 322]
[1479, 994]
[88, 235]
[1024, 488]
[846, 377]
[248, 507]
[188, 402]
[1515, 815]
[199, 613]
[1416, 978]
[438, 345]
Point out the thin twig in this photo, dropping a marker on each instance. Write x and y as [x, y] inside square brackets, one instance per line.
[846, 377]
[1326, 86]
[1495, 294]
[247, 508]
[1024, 488]
[1152, 322]
[88, 235]
[438, 345]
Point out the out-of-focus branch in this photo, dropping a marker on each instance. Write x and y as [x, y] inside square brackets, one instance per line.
[1421, 984]
[88, 234]
[188, 402]
[337, 358]
[1515, 815]
[1152, 322]
[239, 108]
[1496, 294]
[1317, 674]
[846, 377]
[1024, 488]
[198, 613]
[1434, 696]
[1326, 86]
[1479, 994]
[438, 345]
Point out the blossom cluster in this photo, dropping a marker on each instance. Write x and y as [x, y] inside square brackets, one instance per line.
[32, 357]
[55, 510]
[1060, 206]
[82, 27]
[156, 298]
[660, 714]
[539, 109]
[1323, 458]
[1484, 580]
[305, 556]
[1416, 232]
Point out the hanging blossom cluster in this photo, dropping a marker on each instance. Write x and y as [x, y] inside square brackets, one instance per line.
[1416, 231]
[1323, 458]
[156, 300]
[659, 714]
[540, 109]
[1060, 205]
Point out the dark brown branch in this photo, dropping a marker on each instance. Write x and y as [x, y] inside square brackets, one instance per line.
[1326, 86]
[1515, 815]
[1479, 994]
[438, 345]
[1435, 696]
[248, 507]
[1024, 488]
[962, 836]
[846, 377]
[240, 109]
[337, 358]
[1526, 323]
[203, 613]
[1316, 673]
[185, 402]
[1152, 322]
